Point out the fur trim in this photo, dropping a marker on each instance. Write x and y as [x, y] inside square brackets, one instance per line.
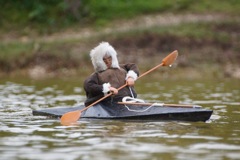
[97, 54]
[106, 88]
[132, 74]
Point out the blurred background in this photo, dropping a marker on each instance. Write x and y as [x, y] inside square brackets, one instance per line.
[44, 59]
[53, 38]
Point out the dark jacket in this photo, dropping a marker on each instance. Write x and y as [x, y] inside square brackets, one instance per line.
[93, 85]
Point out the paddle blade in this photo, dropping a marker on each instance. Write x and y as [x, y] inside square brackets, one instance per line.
[167, 61]
[70, 117]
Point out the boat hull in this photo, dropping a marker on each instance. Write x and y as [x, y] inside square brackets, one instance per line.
[153, 113]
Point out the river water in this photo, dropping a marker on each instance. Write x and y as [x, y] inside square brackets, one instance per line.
[24, 136]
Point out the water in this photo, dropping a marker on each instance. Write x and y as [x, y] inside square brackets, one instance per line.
[23, 136]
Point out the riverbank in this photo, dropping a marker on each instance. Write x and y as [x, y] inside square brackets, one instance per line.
[203, 71]
[207, 43]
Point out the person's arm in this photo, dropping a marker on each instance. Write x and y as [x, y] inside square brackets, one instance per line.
[131, 67]
[132, 73]
[93, 88]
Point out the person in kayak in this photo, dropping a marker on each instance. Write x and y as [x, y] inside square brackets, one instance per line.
[109, 75]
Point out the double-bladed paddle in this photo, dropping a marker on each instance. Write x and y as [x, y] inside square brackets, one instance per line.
[71, 117]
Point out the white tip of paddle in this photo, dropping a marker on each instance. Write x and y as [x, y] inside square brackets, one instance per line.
[196, 106]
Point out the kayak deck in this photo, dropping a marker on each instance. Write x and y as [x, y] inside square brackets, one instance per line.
[101, 111]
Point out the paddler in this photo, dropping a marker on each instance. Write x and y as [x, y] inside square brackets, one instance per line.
[109, 75]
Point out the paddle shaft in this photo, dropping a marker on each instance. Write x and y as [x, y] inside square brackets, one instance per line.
[167, 105]
[151, 70]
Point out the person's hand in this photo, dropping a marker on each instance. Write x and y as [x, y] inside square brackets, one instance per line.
[113, 90]
[130, 81]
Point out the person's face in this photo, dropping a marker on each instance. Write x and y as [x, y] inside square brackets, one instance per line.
[108, 61]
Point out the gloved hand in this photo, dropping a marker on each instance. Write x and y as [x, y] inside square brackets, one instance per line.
[130, 81]
[113, 90]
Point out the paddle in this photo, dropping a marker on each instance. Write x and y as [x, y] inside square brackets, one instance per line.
[71, 117]
[161, 104]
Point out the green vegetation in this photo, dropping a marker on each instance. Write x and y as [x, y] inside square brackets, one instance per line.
[52, 15]
[25, 23]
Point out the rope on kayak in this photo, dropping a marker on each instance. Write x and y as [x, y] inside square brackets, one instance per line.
[134, 100]
[133, 110]
[131, 91]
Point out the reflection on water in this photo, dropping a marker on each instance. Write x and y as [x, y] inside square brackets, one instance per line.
[23, 136]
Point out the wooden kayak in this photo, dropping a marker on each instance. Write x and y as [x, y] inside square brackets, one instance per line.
[131, 112]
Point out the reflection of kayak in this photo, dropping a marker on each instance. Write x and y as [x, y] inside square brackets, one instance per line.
[154, 113]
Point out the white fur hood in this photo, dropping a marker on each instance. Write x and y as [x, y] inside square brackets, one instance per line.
[97, 54]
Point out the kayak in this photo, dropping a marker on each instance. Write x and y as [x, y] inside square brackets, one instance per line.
[132, 112]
